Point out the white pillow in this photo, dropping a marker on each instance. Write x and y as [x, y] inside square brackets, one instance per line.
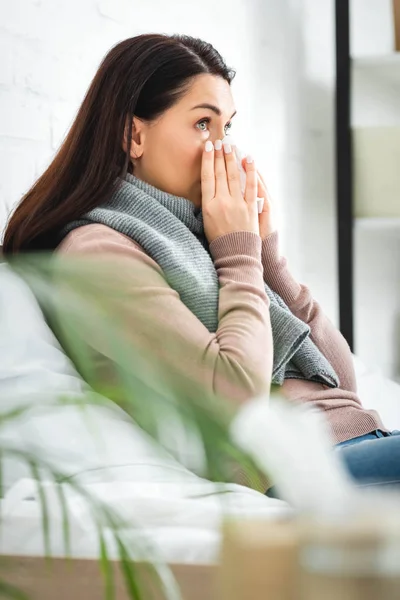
[31, 359]
[34, 369]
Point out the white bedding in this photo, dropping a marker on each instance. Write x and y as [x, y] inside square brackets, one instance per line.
[180, 512]
[182, 520]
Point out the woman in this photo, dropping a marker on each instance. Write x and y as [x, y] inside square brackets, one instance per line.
[154, 117]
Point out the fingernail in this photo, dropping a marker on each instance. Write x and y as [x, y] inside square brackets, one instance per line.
[209, 146]
[227, 148]
[218, 144]
[260, 205]
[249, 159]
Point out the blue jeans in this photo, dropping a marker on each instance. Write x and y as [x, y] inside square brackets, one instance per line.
[372, 459]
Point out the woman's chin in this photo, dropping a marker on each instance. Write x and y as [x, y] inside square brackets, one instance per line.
[195, 195]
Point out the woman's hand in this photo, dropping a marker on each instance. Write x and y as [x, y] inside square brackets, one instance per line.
[224, 208]
[266, 219]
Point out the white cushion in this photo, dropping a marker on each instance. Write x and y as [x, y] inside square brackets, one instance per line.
[35, 370]
[31, 358]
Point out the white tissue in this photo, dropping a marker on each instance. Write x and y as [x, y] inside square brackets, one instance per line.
[239, 157]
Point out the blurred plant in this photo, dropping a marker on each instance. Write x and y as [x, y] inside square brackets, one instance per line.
[125, 358]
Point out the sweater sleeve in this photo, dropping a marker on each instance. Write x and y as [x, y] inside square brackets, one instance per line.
[233, 362]
[298, 298]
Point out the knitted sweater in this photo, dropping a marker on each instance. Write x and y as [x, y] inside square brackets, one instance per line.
[236, 360]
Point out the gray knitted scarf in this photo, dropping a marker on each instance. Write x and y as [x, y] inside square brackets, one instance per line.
[170, 229]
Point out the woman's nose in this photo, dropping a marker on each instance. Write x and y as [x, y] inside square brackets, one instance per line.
[219, 136]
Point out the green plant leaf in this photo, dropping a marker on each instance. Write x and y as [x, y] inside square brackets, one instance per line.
[33, 464]
[9, 591]
[106, 568]
[65, 518]
[14, 413]
[129, 571]
[1, 483]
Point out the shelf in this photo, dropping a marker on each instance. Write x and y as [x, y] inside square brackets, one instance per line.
[391, 61]
[376, 90]
[375, 223]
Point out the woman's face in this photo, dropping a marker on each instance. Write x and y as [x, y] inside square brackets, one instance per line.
[167, 153]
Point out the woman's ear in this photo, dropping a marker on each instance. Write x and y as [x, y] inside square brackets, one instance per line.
[137, 138]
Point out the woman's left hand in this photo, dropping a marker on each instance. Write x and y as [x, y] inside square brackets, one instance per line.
[266, 218]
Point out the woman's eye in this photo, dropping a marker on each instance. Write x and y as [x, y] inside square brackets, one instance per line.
[206, 121]
[203, 122]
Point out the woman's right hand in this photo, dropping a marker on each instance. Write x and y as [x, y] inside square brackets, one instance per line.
[224, 208]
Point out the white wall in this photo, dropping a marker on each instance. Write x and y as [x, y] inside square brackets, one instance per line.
[308, 166]
[51, 49]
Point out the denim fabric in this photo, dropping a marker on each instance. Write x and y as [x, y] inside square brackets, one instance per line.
[378, 433]
[372, 459]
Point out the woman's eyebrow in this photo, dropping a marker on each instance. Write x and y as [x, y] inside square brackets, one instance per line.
[212, 107]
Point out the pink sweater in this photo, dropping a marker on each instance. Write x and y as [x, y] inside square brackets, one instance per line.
[236, 360]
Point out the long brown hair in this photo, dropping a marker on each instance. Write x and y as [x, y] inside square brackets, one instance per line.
[142, 76]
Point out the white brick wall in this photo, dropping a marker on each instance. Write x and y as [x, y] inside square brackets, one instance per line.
[50, 50]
